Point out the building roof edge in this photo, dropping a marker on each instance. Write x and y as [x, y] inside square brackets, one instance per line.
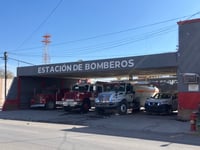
[188, 21]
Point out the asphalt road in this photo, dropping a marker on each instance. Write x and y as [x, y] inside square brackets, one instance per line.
[88, 131]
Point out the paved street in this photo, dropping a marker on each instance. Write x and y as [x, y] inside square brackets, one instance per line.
[21, 130]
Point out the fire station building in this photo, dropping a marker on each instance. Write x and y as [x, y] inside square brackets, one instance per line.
[184, 64]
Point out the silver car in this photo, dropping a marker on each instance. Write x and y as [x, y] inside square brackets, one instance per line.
[162, 103]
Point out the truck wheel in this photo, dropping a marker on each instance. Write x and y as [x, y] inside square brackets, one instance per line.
[50, 105]
[122, 109]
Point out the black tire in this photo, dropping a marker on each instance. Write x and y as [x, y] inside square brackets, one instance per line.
[169, 110]
[50, 105]
[85, 106]
[122, 108]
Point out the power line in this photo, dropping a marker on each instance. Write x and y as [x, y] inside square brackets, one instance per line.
[103, 35]
[118, 32]
[20, 61]
[116, 43]
[41, 24]
[113, 44]
[193, 15]
[126, 30]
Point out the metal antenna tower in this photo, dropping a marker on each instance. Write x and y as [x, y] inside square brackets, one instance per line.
[46, 41]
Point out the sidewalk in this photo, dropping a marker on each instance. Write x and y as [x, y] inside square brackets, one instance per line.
[138, 121]
[151, 123]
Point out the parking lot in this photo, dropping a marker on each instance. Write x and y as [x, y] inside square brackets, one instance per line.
[41, 129]
[139, 125]
[139, 121]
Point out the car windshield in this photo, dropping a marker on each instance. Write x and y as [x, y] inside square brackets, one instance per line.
[80, 88]
[115, 87]
[161, 96]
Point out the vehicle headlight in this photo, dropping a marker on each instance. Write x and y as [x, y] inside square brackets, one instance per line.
[159, 103]
[148, 103]
[162, 103]
[97, 100]
[113, 98]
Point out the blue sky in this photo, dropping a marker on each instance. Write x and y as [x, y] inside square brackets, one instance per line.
[90, 29]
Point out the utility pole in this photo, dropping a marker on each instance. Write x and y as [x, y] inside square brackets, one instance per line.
[5, 74]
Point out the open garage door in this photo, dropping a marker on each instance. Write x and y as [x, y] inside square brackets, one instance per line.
[65, 74]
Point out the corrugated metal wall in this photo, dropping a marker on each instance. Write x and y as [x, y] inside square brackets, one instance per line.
[188, 63]
[189, 52]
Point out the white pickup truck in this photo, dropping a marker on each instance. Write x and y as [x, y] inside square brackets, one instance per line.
[117, 95]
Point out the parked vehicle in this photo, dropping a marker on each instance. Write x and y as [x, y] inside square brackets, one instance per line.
[144, 91]
[82, 96]
[118, 95]
[47, 98]
[162, 103]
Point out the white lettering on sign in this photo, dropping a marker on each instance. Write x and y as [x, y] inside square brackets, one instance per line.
[76, 67]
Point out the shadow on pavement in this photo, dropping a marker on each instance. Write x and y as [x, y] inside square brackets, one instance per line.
[138, 125]
[179, 138]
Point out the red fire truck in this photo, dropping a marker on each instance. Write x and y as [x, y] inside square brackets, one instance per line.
[82, 96]
[48, 98]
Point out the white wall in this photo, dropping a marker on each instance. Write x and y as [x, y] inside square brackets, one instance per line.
[2, 89]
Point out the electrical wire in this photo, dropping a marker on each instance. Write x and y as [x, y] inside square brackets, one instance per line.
[109, 45]
[103, 35]
[191, 16]
[20, 61]
[41, 24]
[106, 45]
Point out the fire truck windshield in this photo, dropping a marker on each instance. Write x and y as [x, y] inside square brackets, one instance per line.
[80, 88]
[115, 87]
[48, 91]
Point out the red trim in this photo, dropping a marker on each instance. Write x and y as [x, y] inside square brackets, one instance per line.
[18, 90]
[188, 21]
[189, 100]
[11, 104]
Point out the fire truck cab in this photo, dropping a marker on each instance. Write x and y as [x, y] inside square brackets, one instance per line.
[82, 96]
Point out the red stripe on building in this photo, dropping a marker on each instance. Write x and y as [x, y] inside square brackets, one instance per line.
[188, 21]
[189, 100]
[13, 104]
